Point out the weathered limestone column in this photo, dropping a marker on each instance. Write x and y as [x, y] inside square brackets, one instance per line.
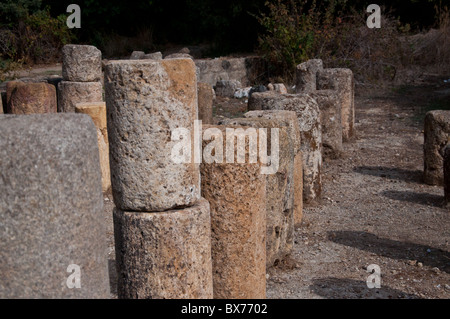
[330, 119]
[306, 75]
[298, 189]
[97, 112]
[447, 175]
[164, 255]
[341, 80]
[146, 101]
[236, 193]
[205, 103]
[51, 204]
[82, 73]
[1, 105]
[279, 189]
[437, 135]
[30, 98]
[162, 226]
[308, 115]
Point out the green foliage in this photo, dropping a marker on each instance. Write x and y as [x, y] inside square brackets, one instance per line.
[12, 11]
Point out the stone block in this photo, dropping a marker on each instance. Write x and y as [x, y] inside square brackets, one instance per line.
[30, 98]
[227, 88]
[236, 193]
[153, 56]
[437, 136]
[146, 102]
[298, 189]
[51, 207]
[341, 80]
[72, 93]
[164, 255]
[308, 115]
[205, 103]
[137, 55]
[306, 75]
[81, 63]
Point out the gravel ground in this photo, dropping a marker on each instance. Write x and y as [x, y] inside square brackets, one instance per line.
[375, 210]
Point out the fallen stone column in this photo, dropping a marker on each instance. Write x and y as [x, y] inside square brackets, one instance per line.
[142, 114]
[164, 255]
[306, 76]
[205, 103]
[236, 193]
[279, 188]
[72, 93]
[81, 63]
[52, 235]
[308, 115]
[330, 119]
[437, 135]
[97, 112]
[30, 98]
[341, 80]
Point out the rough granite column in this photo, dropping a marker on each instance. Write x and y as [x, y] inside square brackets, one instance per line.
[51, 208]
[162, 226]
[205, 103]
[437, 136]
[279, 189]
[308, 115]
[164, 255]
[97, 112]
[236, 193]
[306, 76]
[341, 80]
[30, 98]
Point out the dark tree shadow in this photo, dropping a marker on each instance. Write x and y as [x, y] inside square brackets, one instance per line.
[394, 173]
[337, 288]
[112, 276]
[416, 198]
[429, 256]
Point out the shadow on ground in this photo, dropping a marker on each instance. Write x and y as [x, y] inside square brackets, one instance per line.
[429, 256]
[414, 197]
[410, 176]
[339, 288]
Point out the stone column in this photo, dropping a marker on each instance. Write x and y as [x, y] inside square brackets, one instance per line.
[341, 80]
[298, 189]
[30, 98]
[97, 112]
[205, 103]
[82, 73]
[437, 135]
[162, 227]
[447, 175]
[308, 115]
[236, 193]
[330, 119]
[306, 76]
[52, 227]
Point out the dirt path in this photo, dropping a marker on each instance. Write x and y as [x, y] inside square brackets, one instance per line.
[375, 210]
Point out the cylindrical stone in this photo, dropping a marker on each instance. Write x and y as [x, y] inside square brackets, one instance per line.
[146, 102]
[279, 188]
[236, 193]
[205, 103]
[97, 112]
[30, 98]
[341, 80]
[437, 135]
[298, 189]
[308, 115]
[1, 106]
[306, 75]
[72, 93]
[164, 255]
[330, 119]
[51, 208]
[81, 63]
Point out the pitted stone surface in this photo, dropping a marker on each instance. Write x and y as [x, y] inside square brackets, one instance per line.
[146, 101]
[30, 98]
[236, 193]
[81, 63]
[72, 93]
[205, 103]
[447, 175]
[51, 208]
[308, 115]
[437, 135]
[306, 75]
[164, 255]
